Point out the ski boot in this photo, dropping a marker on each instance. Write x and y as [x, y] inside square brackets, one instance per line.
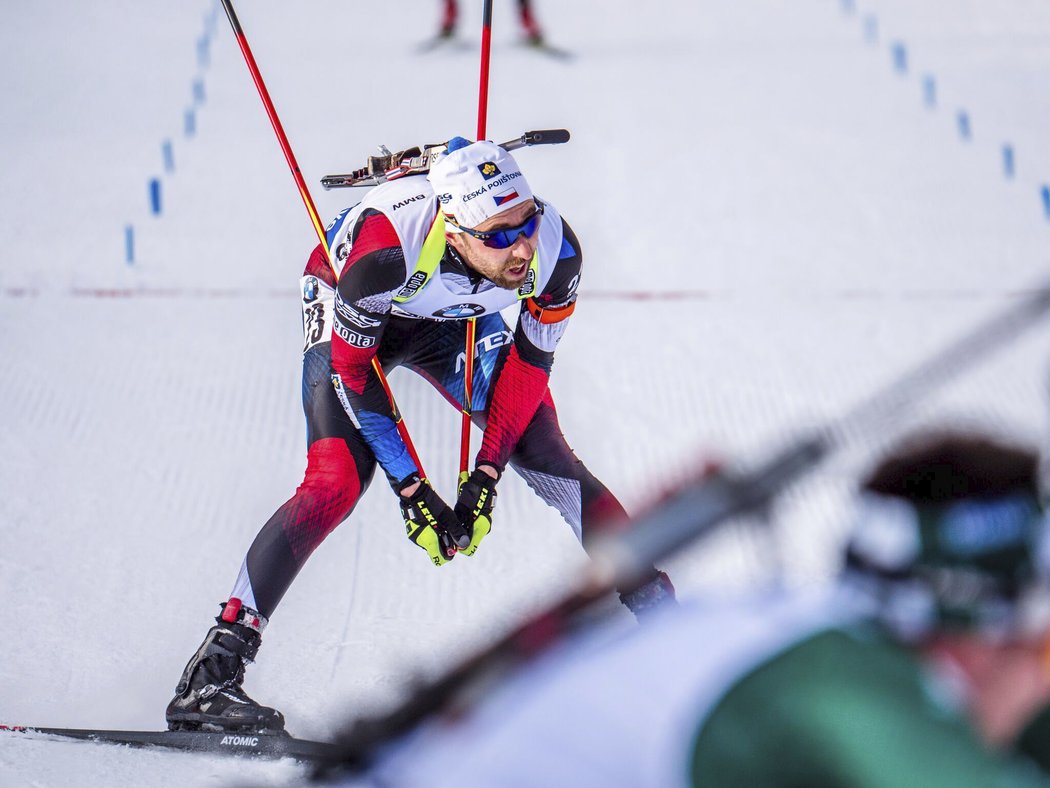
[209, 694]
[448, 20]
[650, 596]
[533, 34]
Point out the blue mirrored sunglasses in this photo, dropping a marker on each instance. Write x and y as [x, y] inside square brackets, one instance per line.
[505, 237]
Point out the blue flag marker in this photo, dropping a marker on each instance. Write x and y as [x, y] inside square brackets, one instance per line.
[871, 29]
[129, 244]
[929, 92]
[1008, 160]
[169, 156]
[154, 196]
[900, 57]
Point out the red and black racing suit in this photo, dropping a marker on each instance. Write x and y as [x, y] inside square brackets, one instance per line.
[519, 417]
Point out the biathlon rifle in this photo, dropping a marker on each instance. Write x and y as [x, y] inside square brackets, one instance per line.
[389, 166]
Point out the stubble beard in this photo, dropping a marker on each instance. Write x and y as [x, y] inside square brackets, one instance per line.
[502, 280]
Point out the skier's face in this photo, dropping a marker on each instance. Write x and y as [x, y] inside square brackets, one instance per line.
[506, 267]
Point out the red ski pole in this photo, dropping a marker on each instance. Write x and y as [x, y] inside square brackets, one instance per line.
[304, 192]
[483, 91]
[468, 366]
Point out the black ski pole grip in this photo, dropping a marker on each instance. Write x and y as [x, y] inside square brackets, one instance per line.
[336, 181]
[538, 137]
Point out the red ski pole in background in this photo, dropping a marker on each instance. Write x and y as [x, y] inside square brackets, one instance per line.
[483, 90]
[468, 366]
[304, 192]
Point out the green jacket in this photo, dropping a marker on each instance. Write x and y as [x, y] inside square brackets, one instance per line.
[845, 707]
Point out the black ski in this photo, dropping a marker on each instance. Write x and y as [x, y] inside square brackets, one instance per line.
[442, 41]
[451, 43]
[543, 48]
[264, 745]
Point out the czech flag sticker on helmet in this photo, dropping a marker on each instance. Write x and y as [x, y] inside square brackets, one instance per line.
[488, 170]
[505, 197]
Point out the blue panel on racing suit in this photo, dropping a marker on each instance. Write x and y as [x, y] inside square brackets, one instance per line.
[491, 334]
[387, 445]
[566, 250]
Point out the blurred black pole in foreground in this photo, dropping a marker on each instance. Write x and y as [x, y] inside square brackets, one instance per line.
[677, 520]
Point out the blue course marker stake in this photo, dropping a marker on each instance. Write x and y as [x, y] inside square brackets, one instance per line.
[1045, 192]
[1008, 160]
[191, 123]
[929, 92]
[871, 29]
[198, 91]
[169, 156]
[203, 52]
[129, 244]
[900, 57]
[154, 196]
[963, 118]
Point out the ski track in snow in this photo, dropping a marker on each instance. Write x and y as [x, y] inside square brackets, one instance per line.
[774, 226]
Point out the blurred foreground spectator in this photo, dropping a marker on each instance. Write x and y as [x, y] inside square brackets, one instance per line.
[924, 665]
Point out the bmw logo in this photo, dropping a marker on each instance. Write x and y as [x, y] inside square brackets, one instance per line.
[460, 311]
[310, 288]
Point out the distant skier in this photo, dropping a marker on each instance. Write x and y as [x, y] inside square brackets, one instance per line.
[529, 26]
[416, 257]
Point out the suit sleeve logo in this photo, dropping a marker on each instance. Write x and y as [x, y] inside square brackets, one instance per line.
[350, 315]
[352, 337]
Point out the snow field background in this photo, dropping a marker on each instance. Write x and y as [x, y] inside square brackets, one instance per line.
[774, 225]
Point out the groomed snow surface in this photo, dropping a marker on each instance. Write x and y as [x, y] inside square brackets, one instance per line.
[776, 223]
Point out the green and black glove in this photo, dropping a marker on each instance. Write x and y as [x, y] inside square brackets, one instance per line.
[477, 497]
[430, 523]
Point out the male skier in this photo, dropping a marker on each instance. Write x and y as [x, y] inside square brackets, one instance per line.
[416, 258]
